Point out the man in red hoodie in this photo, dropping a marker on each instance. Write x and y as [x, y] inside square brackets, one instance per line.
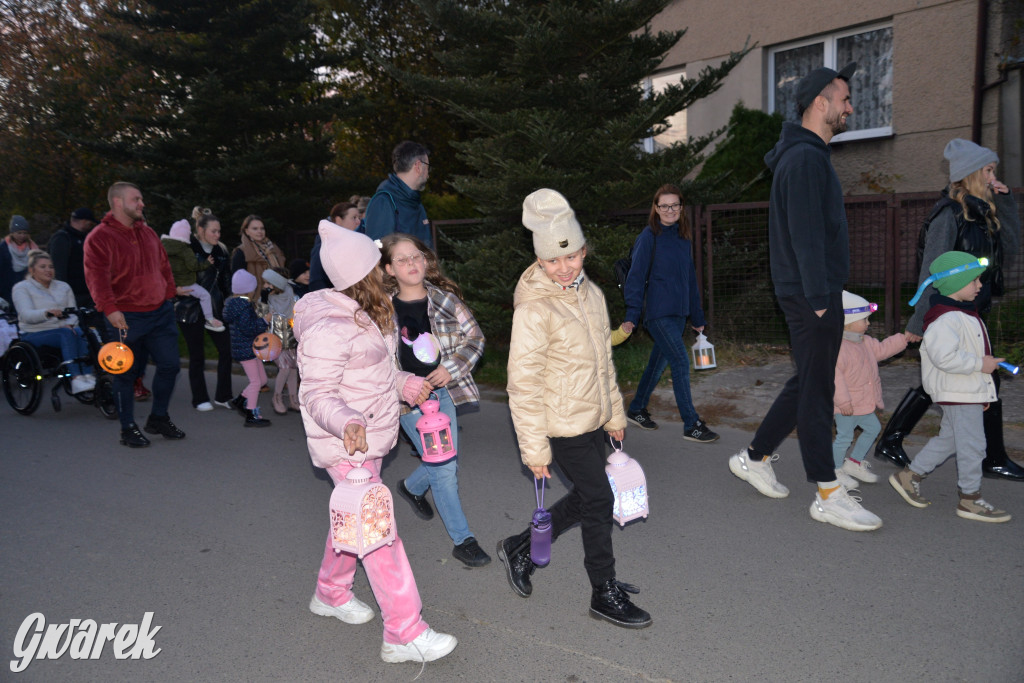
[130, 279]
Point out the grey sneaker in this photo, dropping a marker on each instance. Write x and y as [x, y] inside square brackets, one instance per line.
[973, 506]
[908, 484]
[642, 419]
[700, 433]
[844, 511]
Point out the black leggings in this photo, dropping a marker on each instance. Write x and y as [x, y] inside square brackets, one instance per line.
[193, 334]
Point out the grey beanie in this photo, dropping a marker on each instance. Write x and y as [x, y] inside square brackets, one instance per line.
[18, 223]
[965, 157]
[556, 232]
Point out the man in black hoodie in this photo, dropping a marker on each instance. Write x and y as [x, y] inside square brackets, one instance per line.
[810, 261]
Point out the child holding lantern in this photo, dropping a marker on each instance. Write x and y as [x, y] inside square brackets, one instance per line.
[441, 341]
[349, 400]
[276, 306]
[245, 326]
[565, 402]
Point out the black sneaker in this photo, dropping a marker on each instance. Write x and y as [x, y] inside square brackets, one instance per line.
[164, 427]
[610, 602]
[420, 504]
[470, 553]
[642, 419]
[700, 433]
[133, 438]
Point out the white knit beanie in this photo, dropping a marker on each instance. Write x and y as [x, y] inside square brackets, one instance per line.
[556, 232]
[853, 302]
[965, 157]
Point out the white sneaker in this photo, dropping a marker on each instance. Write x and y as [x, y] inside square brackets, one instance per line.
[214, 325]
[82, 383]
[427, 647]
[846, 480]
[844, 511]
[758, 474]
[204, 407]
[355, 611]
[861, 470]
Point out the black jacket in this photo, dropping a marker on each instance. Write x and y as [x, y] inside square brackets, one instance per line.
[68, 255]
[807, 232]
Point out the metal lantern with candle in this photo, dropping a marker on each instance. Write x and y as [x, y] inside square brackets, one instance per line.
[435, 430]
[362, 514]
[703, 353]
[629, 486]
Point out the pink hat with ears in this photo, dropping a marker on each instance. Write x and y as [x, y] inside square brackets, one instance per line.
[347, 256]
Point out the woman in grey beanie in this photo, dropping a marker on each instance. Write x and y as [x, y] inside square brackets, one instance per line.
[977, 214]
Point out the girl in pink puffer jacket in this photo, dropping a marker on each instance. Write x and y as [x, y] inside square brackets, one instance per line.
[349, 403]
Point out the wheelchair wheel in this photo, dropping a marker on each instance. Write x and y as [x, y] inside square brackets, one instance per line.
[104, 393]
[23, 378]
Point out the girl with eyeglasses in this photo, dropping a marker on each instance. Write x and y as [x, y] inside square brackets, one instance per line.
[441, 341]
[665, 301]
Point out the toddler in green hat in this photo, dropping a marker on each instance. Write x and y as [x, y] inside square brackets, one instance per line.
[956, 370]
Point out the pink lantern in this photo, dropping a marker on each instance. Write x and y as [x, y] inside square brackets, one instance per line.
[629, 486]
[435, 430]
[362, 514]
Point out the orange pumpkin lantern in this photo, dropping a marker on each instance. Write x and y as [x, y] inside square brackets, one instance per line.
[267, 346]
[116, 358]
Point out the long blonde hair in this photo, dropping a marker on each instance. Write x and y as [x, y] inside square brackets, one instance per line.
[974, 184]
[433, 273]
[374, 301]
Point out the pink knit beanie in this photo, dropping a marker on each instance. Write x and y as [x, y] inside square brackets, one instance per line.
[347, 256]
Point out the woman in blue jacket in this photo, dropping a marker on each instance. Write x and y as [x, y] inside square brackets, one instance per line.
[665, 300]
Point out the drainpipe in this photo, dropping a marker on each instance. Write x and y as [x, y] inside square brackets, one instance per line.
[980, 42]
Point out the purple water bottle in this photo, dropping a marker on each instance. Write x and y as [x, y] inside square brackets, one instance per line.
[540, 529]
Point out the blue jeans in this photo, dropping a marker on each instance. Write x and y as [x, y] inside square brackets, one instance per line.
[669, 349]
[845, 425]
[443, 478]
[71, 342]
[154, 334]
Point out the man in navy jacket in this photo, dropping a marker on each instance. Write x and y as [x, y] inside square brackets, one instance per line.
[396, 206]
[810, 261]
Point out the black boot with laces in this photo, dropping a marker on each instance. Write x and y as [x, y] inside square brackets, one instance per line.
[610, 602]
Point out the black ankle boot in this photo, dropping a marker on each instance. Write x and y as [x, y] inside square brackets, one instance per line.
[910, 410]
[997, 464]
[514, 551]
[610, 602]
[253, 419]
[164, 427]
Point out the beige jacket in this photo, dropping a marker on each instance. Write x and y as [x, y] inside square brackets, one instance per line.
[561, 379]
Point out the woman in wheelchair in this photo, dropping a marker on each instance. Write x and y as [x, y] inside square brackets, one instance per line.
[40, 301]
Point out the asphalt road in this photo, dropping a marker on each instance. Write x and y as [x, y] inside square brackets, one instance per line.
[220, 536]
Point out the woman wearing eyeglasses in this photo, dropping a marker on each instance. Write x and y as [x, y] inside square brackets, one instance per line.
[665, 299]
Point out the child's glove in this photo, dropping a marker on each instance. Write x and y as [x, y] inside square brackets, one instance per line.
[619, 336]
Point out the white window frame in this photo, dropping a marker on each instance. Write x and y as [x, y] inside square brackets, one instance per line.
[829, 40]
[650, 145]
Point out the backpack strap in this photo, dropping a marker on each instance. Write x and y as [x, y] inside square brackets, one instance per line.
[394, 206]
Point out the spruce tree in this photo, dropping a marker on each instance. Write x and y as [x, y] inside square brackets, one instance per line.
[227, 106]
[553, 93]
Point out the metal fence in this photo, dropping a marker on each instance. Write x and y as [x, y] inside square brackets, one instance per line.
[731, 256]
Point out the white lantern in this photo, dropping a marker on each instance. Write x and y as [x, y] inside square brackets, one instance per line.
[703, 353]
[362, 514]
[629, 486]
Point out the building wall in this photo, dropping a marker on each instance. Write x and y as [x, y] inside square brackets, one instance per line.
[933, 71]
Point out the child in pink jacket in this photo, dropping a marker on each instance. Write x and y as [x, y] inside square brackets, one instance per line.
[349, 403]
[859, 390]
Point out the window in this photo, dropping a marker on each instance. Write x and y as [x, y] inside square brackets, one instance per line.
[871, 86]
[677, 122]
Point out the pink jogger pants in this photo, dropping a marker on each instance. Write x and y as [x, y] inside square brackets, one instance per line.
[389, 573]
